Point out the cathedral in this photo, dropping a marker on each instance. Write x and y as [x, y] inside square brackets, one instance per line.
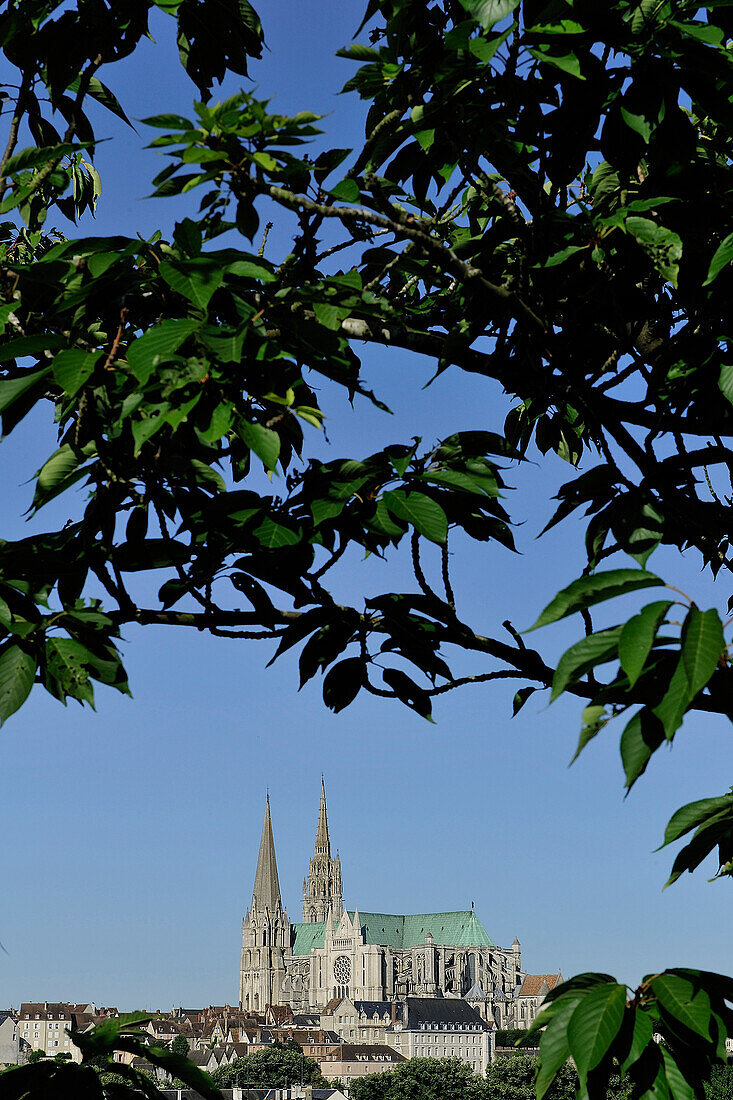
[336, 953]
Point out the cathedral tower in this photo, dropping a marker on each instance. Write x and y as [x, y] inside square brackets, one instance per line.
[322, 888]
[265, 931]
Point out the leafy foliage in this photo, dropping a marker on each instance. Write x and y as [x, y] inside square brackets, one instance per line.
[512, 1078]
[542, 199]
[420, 1079]
[277, 1067]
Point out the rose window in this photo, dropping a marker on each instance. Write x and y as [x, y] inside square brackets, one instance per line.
[342, 970]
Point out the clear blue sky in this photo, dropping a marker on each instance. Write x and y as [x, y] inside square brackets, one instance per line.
[130, 835]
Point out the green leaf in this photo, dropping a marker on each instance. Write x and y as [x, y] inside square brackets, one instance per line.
[102, 94]
[554, 1047]
[484, 48]
[694, 814]
[36, 157]
[725, 382]
[343, 682]
[170, 122]
[594, 1025]
[594, 719]
[721, 258]
[13, 388]
[145, 428]
[593, 589]
[17, 675]
[702, 646]
[274, 536]
[590, 651]
[489, 12]
[663, 246]
[66, 670]
[671, 710]
[135, 557]
[641, 1036]
[562, 256]
[347, 190]
[425, 514]
[567, 62]
[680, 999]
[358, 52]
[56, 474]
[195, 279]
[408, 692]
[637, 123]
[680, 1087]
[205, 475]
[263, 441]
[328, 315]
[637, 637]
[73, 367]
[641, 738]
[520, 698]
[252, 269]
[157, 345]
[19, 346]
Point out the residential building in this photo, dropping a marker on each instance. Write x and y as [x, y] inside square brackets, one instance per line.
[345, 1061]
[442, 1027]
[10, 1042]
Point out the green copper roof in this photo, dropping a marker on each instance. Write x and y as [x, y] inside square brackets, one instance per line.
[462, 929]
[305, 936]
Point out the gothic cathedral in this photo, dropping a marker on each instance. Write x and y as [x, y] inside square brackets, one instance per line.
[366, 956]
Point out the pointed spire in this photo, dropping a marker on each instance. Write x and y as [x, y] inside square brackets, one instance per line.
[323, 843]
[266, 891]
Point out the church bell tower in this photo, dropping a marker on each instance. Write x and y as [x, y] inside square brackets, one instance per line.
[322, 889]
[265, 931]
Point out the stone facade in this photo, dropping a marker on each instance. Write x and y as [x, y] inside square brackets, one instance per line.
[335, 953]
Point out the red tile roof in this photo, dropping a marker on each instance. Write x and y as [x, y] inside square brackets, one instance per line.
[533, 982]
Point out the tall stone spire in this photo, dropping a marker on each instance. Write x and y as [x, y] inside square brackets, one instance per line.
[322, 888]
[265, 932]
[266, 892]
[323, 843]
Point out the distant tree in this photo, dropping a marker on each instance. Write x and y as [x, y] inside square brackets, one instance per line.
[511, 1036]
[373, 1086]
[275, 1067]
[513, 1078]
[180, 1046]
[719, 1086]
[420, 1079]
[35, 1056]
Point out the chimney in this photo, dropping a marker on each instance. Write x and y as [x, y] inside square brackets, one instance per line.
[393, 1007]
